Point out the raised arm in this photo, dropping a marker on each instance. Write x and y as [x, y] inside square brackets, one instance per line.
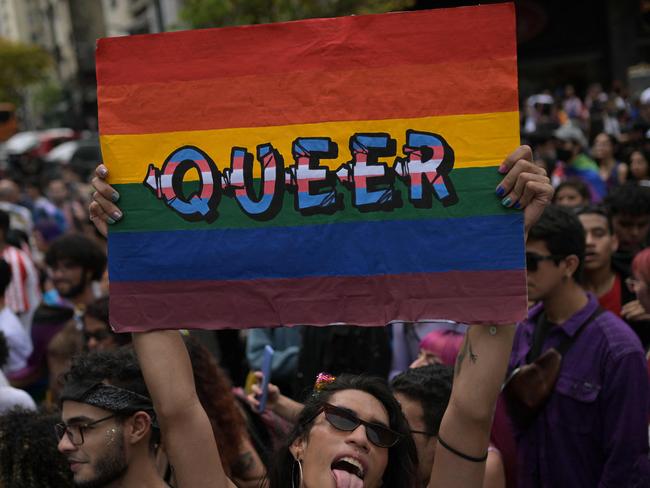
[465, 428]
[481, 366]
[186, 431]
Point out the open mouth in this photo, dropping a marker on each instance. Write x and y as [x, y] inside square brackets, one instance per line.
[348, 473]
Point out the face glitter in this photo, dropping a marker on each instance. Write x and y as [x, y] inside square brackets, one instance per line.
[110, 436]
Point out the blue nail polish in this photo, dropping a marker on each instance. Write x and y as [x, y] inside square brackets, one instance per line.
[517, 205]
[506, 201]
[115, 196]
[109, 221]
[500, 191]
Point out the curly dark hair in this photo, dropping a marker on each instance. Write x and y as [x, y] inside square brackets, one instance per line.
[215, 394]
[118, 367]
[431, 386]
[401, 469]
[28, 450]
[80, 250]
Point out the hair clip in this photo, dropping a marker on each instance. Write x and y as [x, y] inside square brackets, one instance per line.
[322, 380]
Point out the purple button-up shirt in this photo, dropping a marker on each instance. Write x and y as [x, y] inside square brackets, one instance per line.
[593, 432]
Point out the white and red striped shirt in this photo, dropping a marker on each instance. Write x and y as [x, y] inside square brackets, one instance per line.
[23, 294]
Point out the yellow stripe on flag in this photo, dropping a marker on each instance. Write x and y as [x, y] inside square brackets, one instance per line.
[478, 140]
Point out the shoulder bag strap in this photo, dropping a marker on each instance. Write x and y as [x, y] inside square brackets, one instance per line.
[568, 341]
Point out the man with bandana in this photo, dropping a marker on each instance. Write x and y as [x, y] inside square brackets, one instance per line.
[108, 431]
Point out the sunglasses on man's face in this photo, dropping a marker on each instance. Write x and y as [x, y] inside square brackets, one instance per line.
[533, 259]
[342, 419]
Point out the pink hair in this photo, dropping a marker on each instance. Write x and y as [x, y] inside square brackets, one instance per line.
[641, 265]
[443, 343]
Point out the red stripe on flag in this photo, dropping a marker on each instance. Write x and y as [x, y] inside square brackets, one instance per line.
[139, 306]
[344, 43]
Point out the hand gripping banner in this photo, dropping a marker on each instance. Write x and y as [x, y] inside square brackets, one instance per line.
[315, 172]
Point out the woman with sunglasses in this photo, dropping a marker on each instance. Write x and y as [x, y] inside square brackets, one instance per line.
[350, 435]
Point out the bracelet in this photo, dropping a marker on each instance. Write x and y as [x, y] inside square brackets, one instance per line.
[462, 454]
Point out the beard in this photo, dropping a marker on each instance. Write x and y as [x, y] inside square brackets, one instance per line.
[75, 290]
[108, 469]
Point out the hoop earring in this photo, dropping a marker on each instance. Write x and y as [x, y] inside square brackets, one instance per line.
[293, 468]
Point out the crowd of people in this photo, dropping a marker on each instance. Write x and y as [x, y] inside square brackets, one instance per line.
[560, 399]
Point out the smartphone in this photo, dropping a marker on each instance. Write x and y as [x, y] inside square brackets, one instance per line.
[266, 371]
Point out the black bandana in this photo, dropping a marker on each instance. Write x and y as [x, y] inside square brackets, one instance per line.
[108, 397]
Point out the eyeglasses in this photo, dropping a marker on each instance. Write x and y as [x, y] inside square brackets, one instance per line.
[75, 433]
[341, 419]
[533, 259]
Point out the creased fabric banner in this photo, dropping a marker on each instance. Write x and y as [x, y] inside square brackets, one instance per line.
[315, 172]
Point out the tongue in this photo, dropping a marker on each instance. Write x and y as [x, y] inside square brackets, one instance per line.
[346, 480]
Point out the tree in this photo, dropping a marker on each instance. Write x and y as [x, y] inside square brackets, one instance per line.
[20, 66]
[218, 13]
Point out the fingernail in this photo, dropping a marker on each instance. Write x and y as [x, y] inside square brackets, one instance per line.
[109, 221]
[103, 171]
[500, 191]
[506, 201]
[117, 215]
[503, 168]
[517, 205]
[115, 196]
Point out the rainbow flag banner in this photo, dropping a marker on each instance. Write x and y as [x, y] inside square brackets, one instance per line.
[315, 172]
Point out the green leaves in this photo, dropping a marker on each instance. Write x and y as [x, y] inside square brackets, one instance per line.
[218, 13]
[20, 66]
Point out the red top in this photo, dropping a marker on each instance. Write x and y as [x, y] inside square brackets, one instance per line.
[612, 299]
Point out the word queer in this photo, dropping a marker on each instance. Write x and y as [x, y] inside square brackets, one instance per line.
[424, 169]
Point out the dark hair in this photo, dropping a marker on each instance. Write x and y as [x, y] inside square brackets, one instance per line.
[4, 349]
[629, 199]
[401, 469]
[612, 140]
[646, 156]
[431, 386]
[561, 231]
[214, 391]
[5, 275]
[98, 309]
[28, 450]
[117, 367]
[5, 221]
[597, 210]
[80, 250]
[575, 183]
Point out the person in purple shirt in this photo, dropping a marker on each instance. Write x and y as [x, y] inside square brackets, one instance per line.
[593, 429]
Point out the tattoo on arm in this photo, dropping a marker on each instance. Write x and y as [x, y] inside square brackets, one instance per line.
[466, 349]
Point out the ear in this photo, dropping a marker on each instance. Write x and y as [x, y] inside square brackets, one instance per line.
[139, 427]
[571, 262]
[297, 448]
